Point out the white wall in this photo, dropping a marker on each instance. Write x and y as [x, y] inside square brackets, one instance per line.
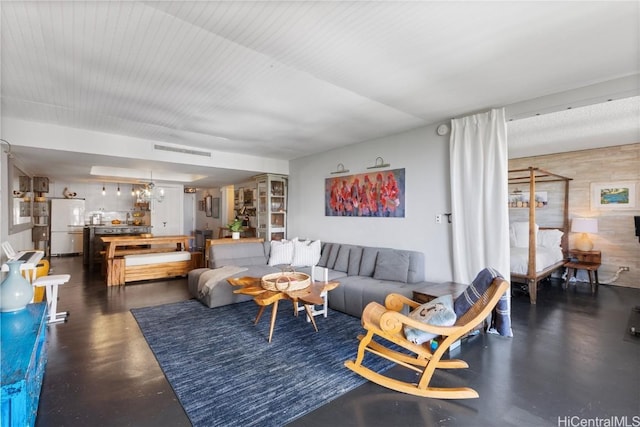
[425, 157]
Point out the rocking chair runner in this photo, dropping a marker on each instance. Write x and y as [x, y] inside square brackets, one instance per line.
[387, 322]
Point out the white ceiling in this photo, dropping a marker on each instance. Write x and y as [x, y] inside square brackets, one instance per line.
[288, 79]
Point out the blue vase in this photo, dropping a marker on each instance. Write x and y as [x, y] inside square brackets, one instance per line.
[15, 291]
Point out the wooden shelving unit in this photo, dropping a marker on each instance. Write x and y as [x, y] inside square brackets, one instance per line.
[272, 206]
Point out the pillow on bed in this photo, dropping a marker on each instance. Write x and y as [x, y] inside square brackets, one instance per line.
[549, 238]
[521, 234]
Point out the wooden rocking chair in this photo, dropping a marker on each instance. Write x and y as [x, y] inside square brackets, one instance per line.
[387, 322]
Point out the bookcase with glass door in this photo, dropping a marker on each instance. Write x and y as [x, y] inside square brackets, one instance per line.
[272, 206]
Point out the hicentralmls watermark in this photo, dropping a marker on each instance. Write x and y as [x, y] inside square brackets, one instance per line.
[613, 421]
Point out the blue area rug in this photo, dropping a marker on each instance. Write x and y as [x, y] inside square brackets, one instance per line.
[225, 372]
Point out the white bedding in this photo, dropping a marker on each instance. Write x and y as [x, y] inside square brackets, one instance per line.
[544, 258]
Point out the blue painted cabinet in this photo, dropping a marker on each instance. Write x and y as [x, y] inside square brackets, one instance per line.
[23, 355]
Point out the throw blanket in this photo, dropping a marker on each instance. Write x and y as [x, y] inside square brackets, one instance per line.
[209, 279]
[500, 319]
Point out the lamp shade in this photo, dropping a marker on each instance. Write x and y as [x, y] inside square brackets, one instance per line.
[584, 225]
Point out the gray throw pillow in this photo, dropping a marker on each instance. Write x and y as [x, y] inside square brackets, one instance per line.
[326, 250]
[342, 261]
[368, 263]
[333, 256]
[355, 256]
[438, 312]
[392, 265]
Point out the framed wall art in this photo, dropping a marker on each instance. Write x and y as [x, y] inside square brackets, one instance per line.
[613, 195]
[373, 194]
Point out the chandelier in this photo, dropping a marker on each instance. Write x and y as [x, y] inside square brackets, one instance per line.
[149, 192]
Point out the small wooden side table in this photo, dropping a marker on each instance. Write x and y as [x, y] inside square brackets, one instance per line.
[435, 290]
[584, 260]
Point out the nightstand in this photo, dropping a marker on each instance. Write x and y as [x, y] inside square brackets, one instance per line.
[584, 260]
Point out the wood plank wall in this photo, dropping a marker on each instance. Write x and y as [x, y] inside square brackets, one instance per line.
[616, 236]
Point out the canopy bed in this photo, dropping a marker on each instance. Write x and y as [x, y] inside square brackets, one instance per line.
[536, 252]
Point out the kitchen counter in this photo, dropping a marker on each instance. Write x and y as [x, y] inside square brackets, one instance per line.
[93, 246]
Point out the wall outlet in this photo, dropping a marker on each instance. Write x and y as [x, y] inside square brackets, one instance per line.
[624, 268]
[438, 219]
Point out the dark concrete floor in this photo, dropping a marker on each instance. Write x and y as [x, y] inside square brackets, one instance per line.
[568, 361]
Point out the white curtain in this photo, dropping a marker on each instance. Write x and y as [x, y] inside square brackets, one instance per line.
[479, 194]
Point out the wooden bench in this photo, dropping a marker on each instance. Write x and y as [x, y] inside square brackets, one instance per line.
[157, 258]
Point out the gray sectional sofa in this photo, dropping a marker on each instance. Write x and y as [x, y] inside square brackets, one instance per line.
[365, 273]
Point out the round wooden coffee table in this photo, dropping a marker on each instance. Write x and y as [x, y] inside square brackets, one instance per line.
[263, 297]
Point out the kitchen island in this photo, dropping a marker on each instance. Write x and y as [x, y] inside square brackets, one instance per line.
[93, 245]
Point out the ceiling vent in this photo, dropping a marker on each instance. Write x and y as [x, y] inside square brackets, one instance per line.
[182, 150]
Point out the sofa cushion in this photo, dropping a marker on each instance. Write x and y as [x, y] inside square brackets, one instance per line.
[342, 261]
[416, 266]
[392, 265]
[333, 256]
[368, 263]
[324, 256]
[241, 254]
[306, 253]
[355, 257]
[281, 252]
[438, 312]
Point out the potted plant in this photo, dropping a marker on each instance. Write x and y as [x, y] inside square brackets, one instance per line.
[235, 227]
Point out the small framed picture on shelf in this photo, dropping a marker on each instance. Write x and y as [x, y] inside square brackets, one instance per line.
[277, 188]
[248, 197]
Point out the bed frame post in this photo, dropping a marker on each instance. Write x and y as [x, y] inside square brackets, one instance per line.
[531, 268]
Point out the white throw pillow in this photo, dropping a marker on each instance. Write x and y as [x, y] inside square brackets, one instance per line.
[306, 253]
[281, 252]
[550, 238]
[521, 234]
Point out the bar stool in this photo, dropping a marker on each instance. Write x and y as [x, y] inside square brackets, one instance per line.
[51, 284]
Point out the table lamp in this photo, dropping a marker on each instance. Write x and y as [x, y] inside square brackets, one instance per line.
[584, 226]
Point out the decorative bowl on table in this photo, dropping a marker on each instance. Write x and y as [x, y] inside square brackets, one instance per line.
[286, 281]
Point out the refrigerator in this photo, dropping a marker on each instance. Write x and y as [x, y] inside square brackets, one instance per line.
[67, 224]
